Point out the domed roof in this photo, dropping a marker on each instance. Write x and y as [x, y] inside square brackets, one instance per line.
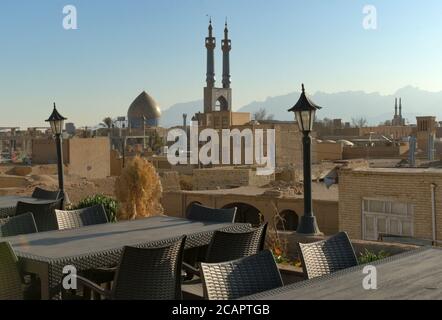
[144, 105]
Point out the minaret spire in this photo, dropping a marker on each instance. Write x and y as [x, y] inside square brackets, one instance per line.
[400, 108]
[226, 47]
[210, 45]
[395, 108]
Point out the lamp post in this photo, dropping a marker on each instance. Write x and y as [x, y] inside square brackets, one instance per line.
[56, 121]
[305, 111]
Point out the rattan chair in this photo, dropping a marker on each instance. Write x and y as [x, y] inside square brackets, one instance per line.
[198, 212]
[239, 278]
[327, 256]
[13, 226]
[145, 274]
[12, 284]
[225, 246]
[44, 214]
[81, 217]
[40, 193]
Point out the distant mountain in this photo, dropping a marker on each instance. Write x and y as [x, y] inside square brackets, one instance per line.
[173, 116]
[376, 108]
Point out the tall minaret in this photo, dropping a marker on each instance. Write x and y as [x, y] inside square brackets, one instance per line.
[400, 108]
[395, 108]
[210, 45]
[226, 46]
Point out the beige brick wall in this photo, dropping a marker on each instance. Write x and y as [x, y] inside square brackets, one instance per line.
[210, 179]
[176, 203]
[408, 185]
[374, 152]
[89, 158]
[328, 151]
[44, 151]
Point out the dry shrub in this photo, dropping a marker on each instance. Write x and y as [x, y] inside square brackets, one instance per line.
[275, 243]
[138, 191]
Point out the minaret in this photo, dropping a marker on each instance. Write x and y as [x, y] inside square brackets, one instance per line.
[395, 108]
[210, 45]
[226, 47]
[400, 108]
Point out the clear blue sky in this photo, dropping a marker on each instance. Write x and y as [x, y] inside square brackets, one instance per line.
[125, 46]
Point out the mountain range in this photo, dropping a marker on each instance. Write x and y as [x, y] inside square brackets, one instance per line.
[375, 107]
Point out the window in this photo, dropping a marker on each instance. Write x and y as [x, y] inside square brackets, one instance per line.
[387, 217]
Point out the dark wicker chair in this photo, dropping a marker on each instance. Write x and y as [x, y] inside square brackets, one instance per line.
[327, 256]
[81, 217]
[145, 274]
[13, 226]
[239, 278]
[12, 284]
[198, 212]
[40, 193]
[225, 246]
[44, 214]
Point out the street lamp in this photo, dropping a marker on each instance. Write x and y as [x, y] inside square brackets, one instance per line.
[56, 121]
[305, 111]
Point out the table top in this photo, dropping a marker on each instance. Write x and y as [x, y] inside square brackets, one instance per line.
[415, 275]
[109, 236]
[11, 201]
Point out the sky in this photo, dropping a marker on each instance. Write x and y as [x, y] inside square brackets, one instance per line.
[122, 47]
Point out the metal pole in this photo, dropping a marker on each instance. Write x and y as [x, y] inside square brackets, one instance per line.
[307, 224]
[306, 142]
[60, 162]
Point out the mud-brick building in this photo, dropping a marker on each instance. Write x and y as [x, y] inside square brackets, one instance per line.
[406, 202]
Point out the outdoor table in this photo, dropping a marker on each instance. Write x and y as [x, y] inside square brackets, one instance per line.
[9, 203]
[46, 254]
[415, 275]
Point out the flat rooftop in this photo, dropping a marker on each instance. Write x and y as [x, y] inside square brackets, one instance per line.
[437, 171]
[320, 192]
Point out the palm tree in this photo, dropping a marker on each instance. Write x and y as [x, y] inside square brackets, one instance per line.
[107, 122]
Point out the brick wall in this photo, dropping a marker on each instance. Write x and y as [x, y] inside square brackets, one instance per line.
[326, 212]
[89, 158]
[328, 151]
[408, 186]
[224, 178]
[44, 151]
[374, 152]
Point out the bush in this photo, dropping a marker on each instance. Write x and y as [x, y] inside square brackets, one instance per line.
[368, 256]
[138, 191]
[109, 204]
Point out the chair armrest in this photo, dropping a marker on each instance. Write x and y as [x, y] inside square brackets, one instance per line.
[93, 286]
[190, 270]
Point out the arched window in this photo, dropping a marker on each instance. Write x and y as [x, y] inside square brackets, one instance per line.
[288, 221]
[246, 213]
[221, 104]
